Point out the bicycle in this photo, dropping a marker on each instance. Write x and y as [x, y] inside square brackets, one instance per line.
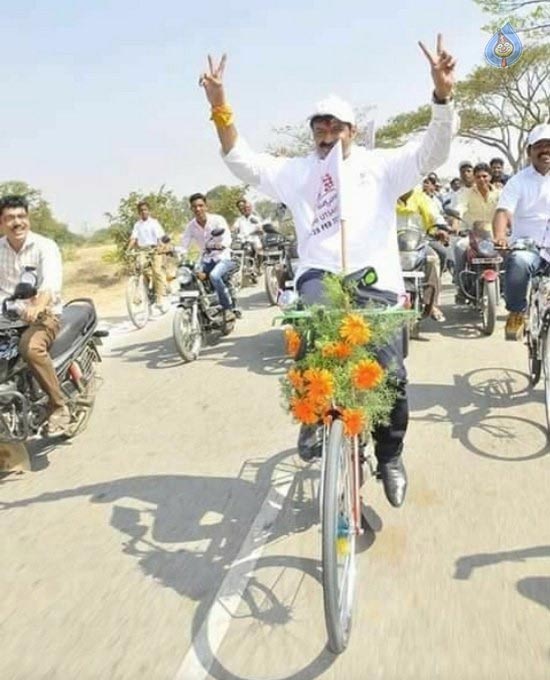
[140, 294]
[346, 462]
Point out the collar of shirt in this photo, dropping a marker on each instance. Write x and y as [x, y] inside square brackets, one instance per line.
[29, 241]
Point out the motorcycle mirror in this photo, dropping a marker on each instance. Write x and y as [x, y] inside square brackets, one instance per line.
[24, 290]
[218, 231]
[268, 228]
[165, 239]
[452, 213]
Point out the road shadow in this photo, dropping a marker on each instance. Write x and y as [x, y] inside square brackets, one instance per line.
[473, 406]
[156, 354]
[187, 532]
[534, 588]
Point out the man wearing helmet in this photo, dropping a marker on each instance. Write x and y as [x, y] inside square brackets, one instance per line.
[372, 180]
[523, 211]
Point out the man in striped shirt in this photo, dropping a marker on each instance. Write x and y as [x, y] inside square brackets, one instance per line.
[21, 248]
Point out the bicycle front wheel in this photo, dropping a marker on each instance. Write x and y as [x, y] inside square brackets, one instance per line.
[137, 301]
[338, 538]
[546, 366]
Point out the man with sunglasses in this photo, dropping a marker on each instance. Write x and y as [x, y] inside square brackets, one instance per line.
[371, 180]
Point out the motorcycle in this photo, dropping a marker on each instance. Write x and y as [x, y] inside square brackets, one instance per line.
[246, 259]
[280, 259]
[480, 279]
[198, 309]
[23, 404]
[413, 251]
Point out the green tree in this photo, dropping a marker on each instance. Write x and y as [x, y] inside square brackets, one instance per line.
[41, 216]
[222, 200]
[530, 17]
[172, 213]
[497, 107]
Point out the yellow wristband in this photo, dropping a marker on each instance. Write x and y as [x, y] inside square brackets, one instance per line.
[222, 115]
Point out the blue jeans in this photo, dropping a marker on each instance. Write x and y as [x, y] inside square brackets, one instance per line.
[216, 272]
[521, 265]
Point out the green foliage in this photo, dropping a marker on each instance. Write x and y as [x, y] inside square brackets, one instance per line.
[101, 237]
[172, 213]
[497, 106]
[41, 217]
[528, 17]
[222, 200]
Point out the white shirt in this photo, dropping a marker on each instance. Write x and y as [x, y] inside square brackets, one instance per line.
[202, 236]
[247, 226]
[527, 196]
[372, 180]
[39, 252]
[147, 232]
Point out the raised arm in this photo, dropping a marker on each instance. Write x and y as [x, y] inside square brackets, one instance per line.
[222, 113]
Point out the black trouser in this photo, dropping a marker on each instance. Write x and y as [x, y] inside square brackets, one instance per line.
[388, 439]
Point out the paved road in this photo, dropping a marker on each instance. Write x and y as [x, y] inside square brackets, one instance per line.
[177, 537]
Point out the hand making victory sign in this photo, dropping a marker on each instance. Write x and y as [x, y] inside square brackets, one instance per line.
[443, 65]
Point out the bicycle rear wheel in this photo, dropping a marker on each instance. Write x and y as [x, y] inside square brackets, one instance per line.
[137, 301]
[338, 538]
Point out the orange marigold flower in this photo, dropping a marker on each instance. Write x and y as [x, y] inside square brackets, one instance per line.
[354, 421]
[328, 350]
[292, 341]
[342, 350]
[304, 410]
[367, 374]
[355, 330]
[320, 384]
[295, 378]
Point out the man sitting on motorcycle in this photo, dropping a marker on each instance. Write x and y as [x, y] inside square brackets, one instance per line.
[476, 206]
[414, 207]
[20, 248]
[215, 251]
[523, 211]
[249, 227]
[373, 180]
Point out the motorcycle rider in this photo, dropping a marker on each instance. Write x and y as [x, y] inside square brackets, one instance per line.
[373, 181]
[148, 233]
[476, 205]
[414, 206]
[249, 226]
[20, 247]
[215, 251]
[524, 208]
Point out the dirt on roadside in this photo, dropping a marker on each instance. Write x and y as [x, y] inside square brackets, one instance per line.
[88, 275]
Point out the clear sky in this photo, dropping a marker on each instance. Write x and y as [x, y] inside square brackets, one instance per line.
[101, 98]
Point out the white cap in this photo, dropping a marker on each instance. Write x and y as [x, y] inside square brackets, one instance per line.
[539, 132]
[336, 107]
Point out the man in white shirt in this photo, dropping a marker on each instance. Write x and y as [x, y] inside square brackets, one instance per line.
[249, 225]
[148, 233]
[371, 181]
[21, 248]
[215, 251]
[524, 207]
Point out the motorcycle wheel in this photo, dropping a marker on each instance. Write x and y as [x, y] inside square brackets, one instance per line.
[535, 363]
[271, 284]
[80, 411]
[489, 306]
[188, 339]
[137, 301]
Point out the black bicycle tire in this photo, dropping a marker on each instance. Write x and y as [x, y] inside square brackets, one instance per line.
[338, 634]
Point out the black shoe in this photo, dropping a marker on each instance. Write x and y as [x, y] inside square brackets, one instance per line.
[394, 478]
[310, 442]
[238, 312]
[228, 315]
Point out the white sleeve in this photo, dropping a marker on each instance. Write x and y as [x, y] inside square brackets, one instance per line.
[159, 231]
[406, 166]
[134, 233]
[186, 239]
[272, 175]
[510, 195]
[52, 269]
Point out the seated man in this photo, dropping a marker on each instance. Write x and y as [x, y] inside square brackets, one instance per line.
[20, 248]
[148, 233]
[215, 251]
[249, 226]
[476, 206]
[524, 207]
[414, 206]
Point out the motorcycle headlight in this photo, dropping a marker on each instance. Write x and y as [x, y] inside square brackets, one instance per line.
[287, 299]
[409, 239]
[185, 276]
[486, 248]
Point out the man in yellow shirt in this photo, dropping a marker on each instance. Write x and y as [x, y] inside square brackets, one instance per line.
[415, 208]
[476, 207]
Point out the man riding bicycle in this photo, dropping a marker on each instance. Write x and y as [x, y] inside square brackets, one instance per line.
[524, 211]
[372, 180]
[146, 234]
